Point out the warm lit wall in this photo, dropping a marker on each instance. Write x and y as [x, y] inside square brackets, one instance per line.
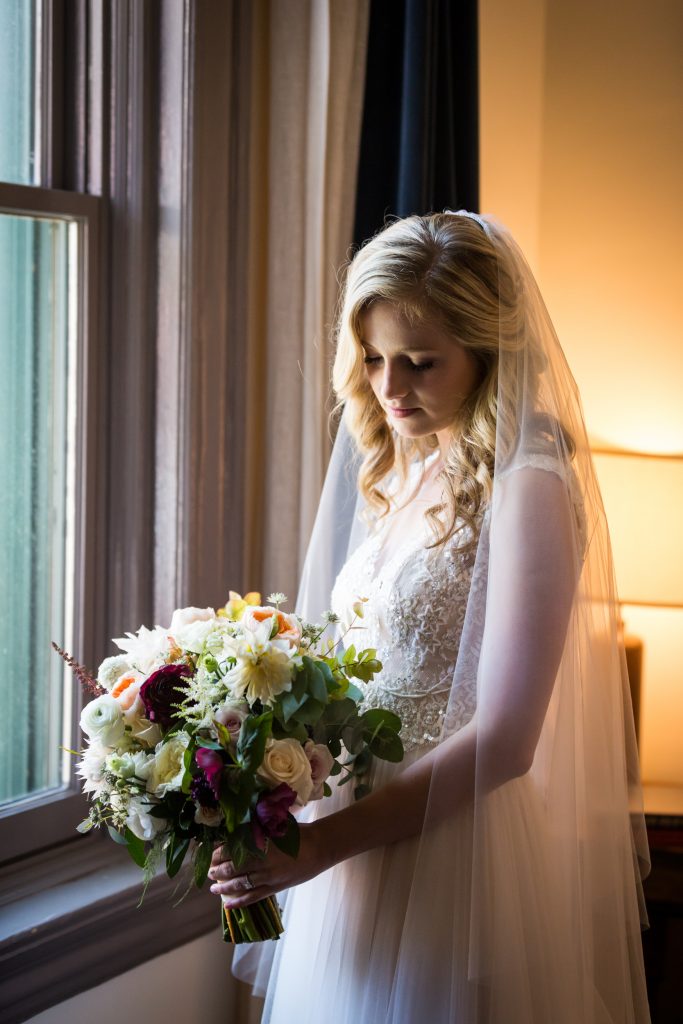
[581, 155]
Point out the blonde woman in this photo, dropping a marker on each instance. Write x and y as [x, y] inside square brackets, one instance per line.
[494, 875]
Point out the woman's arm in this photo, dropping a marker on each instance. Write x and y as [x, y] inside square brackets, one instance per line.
[394, 811]
[532, 579]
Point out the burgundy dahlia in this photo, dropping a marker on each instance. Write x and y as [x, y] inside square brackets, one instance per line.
[161, 691]
[271, 813]
[211, 764]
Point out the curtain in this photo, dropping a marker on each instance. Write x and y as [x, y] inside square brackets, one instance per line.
[420, 142]
[304, 63]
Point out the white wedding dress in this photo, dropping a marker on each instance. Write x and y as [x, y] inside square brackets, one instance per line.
[338, 961]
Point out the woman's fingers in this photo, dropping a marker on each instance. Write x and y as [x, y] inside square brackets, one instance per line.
[237, 886]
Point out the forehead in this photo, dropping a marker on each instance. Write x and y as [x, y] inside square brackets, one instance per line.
[384, 326]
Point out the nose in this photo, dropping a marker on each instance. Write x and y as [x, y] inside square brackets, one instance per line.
[394, 383]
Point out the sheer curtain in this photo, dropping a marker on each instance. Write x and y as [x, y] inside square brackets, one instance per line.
[305, 64]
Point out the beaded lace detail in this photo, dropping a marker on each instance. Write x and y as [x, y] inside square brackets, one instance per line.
[414, 616]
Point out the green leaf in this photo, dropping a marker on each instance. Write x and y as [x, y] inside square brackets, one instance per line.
[289, 842]
[252, 742]
[364, 670]
[336, 768]
[327, 790]
[209, 744]
[352, 738]
[290, 704]
[136, 848]
[387, 746]
[310, 711]
[354, 693]
[361, 791]
[175, 855]
[202, 862]
[349, 655]
[118, 837]
[84, 826]
[374, 718]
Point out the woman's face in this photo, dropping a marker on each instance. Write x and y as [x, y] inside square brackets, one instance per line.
[420, 375]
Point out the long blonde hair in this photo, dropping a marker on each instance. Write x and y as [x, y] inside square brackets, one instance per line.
[442, 269]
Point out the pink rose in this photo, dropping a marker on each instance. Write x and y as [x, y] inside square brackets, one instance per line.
[321, 762]
[231, 715]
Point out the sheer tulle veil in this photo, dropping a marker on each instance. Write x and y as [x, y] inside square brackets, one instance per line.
[555, 837]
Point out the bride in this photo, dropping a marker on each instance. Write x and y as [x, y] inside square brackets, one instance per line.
[494, 875]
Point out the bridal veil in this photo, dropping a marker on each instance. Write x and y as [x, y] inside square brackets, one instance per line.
[555, 837]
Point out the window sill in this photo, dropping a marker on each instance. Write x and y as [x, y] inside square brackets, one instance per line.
[84, 927]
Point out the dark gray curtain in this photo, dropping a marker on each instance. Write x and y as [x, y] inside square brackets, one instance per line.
[420, 139]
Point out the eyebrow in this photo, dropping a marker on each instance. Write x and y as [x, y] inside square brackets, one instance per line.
[408, 351]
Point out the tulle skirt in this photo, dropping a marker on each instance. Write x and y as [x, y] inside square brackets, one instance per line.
[357, 949]
[393, 936]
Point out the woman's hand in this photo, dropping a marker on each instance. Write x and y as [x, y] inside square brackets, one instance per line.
[271, 874]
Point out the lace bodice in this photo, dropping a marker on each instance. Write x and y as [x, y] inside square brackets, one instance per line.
[415, 612]
[414, 615]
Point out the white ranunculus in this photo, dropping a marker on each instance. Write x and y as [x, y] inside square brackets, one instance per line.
[264, 666]
[141, 823]
[129, 765]
[166, 770]
[111, 670]
[102, 719]
[286, 761]
[184, 616]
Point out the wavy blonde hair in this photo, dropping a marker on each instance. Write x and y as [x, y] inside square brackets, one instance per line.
[442, 269]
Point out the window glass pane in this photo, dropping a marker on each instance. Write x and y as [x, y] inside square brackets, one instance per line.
[38, 264]
[18, 56]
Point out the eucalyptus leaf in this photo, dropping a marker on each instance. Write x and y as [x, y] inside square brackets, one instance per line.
[136, 848]
[118, 837]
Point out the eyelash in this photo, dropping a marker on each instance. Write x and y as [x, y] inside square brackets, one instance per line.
[368, 360]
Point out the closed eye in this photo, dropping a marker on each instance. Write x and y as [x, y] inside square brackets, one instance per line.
[418, 367]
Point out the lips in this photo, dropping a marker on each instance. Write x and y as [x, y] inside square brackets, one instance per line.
[400, 413]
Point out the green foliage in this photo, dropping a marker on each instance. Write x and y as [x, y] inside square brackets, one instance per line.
[251, 745]
[118, 837]
[136, 848]
[175, 854]
[202, 862]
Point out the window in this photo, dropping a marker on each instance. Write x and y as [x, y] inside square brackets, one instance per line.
[48, 260]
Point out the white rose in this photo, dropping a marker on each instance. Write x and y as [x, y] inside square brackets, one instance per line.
[102, 719]
[141, 823]
[166, 770]
[207, 816]
[184, 616]
[321, 761]
[111, 670]
[142, 729]
[286, 761]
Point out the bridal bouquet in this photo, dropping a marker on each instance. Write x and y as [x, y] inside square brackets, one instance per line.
[215, 729]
